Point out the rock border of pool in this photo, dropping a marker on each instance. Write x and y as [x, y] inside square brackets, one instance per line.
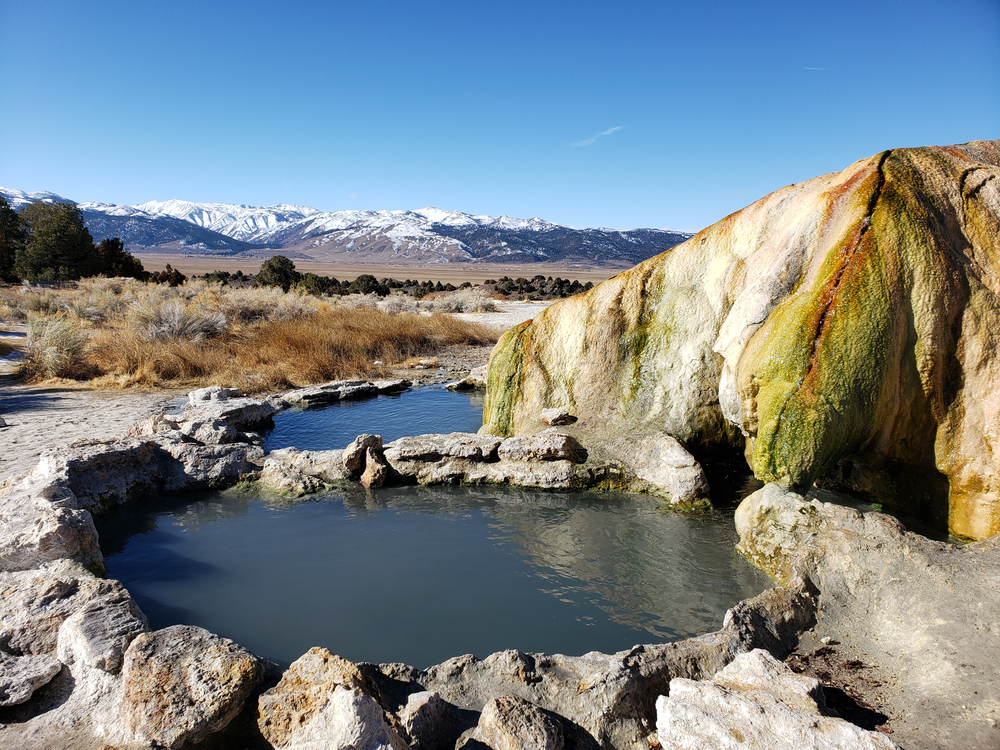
[79, 666]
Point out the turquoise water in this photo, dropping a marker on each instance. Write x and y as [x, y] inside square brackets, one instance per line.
[421, 574]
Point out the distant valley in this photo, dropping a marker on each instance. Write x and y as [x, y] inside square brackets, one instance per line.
[399, 238]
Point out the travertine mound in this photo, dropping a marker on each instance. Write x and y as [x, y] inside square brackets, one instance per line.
[843, 328]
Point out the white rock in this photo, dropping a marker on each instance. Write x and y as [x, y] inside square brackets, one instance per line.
[755, 703]
[20, 676]
[212, 393]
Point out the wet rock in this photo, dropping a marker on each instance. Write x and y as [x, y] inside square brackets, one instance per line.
[355, 454]
[756, 703]
[296, 472]
[376, 469]
[211, 393]
[429, 721]
[97, 635]
[428, 448]
[34, 604]
[512, 723]
[392, 386]
[540, 447]
[183, 683]
[20, 676]
[210, 431]
[340, 390]
[664, 465]
[324, 701]
[557, 417]
[207, 466]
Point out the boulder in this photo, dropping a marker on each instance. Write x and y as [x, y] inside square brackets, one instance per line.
[756, 703]
[609, 700]
[906, 611]
[191, 466]
[291, 471]
[20, 676]
[324, 701]
[183, 683]
[355, 454]
[341, 390]
[541, 447]
[97, 635]
[241, 413]
[41, 523]
[376, 470]
[429, 721]
[843, 328]
[663, 466]
[512, 723]
[34, 604]
[210, 431]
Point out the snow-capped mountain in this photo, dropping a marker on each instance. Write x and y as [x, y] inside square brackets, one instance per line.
[427, 235]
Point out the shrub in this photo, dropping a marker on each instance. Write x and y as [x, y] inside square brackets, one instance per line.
[54, 348]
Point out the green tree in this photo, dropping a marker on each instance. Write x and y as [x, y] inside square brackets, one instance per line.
[117, 261]
[278, 271]
[367, 284]
[58, 245]
[11, 240]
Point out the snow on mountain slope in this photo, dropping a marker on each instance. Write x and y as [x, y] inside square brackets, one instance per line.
[18, 198]
[421, 236]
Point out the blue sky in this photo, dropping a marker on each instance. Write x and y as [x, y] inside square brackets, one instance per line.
[642, 114]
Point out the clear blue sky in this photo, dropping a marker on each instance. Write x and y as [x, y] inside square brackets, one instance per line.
[483, 107]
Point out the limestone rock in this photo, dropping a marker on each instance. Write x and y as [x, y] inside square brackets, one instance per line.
[20, 676]
[610, 699]
[299, 472]
[206, 466]
[355, 453]
[210, 431]
[755, 703]
[40, 523]
[512, 723]
[35, 603]
[376, 469]
[428, 448]
[324, 701]
[341, 390]
[663, 463]
[183, 683]
[241, 413]
[844, 327]
[98, 634]
[102, 473]
[212, 393]
[541, 447]
[392, 386]
[915, 613]
[557, 417]
[429, 721]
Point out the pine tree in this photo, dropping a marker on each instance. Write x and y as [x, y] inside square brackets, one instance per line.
[11, 240]
[58, 245]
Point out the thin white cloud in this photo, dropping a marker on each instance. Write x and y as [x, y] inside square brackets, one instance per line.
[593, 138]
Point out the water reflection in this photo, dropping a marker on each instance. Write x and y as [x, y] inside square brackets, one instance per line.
[419, 574]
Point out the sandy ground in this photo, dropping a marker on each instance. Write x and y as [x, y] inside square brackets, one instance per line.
[455, 273]
[50, 415]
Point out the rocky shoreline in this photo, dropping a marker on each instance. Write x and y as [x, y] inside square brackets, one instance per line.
[80, 668]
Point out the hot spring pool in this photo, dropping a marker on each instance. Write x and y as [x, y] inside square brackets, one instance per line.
[421, 574]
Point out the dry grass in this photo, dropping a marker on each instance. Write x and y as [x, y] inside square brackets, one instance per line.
[333, 344]
[121, 333]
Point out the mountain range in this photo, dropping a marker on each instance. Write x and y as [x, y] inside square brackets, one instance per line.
[420, 237]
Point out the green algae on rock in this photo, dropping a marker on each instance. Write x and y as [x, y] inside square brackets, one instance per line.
[845, 328]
